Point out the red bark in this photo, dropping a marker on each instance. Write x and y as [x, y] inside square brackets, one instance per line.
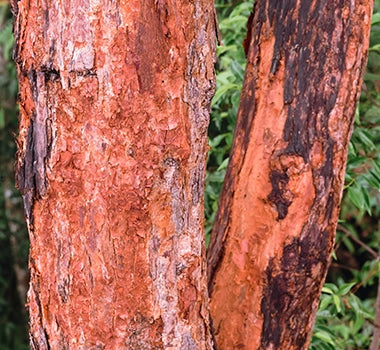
[114, 100]
[275, 227]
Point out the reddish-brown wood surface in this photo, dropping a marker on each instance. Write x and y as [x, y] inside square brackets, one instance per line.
[275, 227]
[114, 100]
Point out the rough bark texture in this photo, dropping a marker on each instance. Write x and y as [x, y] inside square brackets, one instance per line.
[114, 100]
[275, 228]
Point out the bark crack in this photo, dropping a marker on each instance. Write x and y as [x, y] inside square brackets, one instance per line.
[31, 173]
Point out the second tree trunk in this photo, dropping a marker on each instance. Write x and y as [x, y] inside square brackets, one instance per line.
[275, 227]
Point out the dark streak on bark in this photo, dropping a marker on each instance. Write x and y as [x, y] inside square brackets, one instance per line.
[46, 20]
[279, 181]
[304, 72]
[310, 46]
[31, 174]
[51, 74]
[305, 68]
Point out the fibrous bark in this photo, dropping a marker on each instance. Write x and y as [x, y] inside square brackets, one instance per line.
[114, 103]
[275, 227]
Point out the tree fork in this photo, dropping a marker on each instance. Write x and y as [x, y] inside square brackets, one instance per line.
[114, 109]
[274, 231]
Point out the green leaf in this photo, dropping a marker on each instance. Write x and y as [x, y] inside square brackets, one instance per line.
[375, 48]
[376, 169]
[217, 176]
[222, 90]
[357, 115]
[359, 320]
[332, 287]
[217, 140]
[223, 165]
[356, 195]
[224, 78]
[344, 330]
[355, 303]
[233, 21]
[225, 49]
[345, 288]
[375, 18]
[371, 76]
[237, 69]
[349, 245]
[373, 179]
[327, 290]
[325, 337]
[365, 138]
[241, 8]
[337, 303]
[325, 302]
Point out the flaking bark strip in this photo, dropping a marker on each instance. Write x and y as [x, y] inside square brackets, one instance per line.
[40, 135]
[31, 175]
[25, 175]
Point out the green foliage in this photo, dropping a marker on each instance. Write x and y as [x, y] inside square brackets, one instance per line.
[343, 320]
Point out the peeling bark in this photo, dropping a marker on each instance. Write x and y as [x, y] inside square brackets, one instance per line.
[275, 227]
[114, 108]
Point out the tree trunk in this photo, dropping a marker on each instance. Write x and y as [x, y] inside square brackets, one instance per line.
[275, 227]
[114, 100]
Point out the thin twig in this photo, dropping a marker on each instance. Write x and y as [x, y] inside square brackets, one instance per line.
[365, 89]
[358, 241]
[374, 271]
[344, 267]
